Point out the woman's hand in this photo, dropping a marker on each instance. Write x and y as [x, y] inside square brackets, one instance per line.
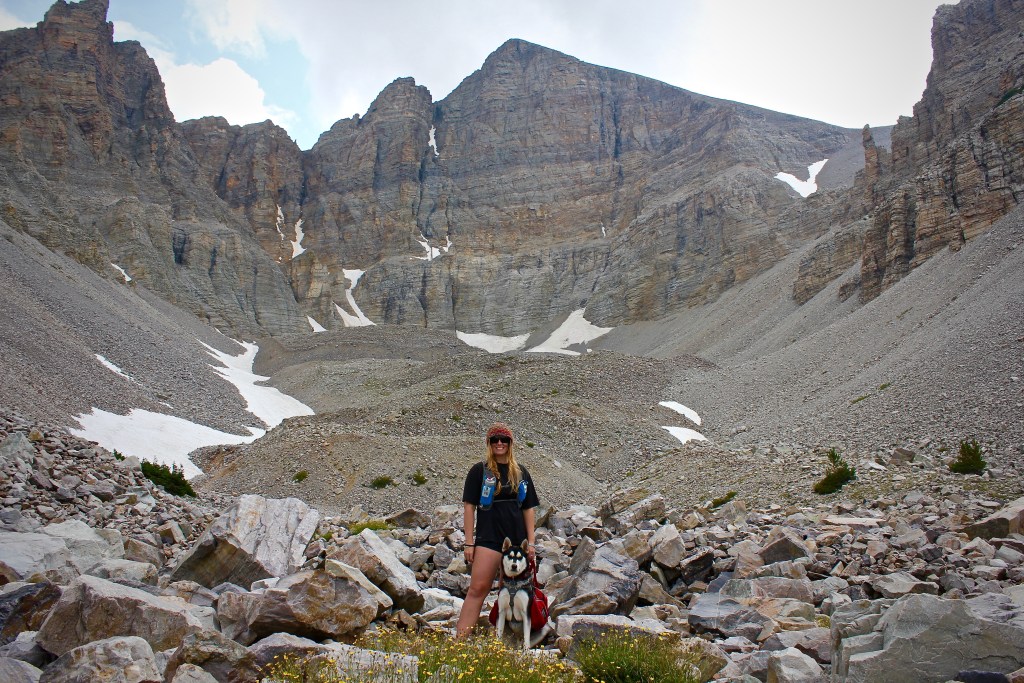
[469, 552]
[531, 551]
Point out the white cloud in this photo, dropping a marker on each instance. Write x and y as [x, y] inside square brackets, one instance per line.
[220, 88]
[8, 21]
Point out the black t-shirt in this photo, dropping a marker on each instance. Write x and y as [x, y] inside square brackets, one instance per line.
[505, 518]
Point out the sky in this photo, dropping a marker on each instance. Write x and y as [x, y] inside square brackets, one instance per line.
[308, 63]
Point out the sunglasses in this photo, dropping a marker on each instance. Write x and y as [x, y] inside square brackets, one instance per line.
[500, 439]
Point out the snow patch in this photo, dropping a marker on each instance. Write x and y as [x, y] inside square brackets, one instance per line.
[684, 434]
[359, 319]
[127, 278]
[156, 437]
[297, 247]
[432, 252]
[804, 188]
[113, 368]
[266, 403]
[492, 343]
[682, 410]
[280, 222]
[317, 327]
[433, 141]
[575, 330]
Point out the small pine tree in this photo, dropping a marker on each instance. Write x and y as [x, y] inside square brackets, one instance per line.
[969, 461]
[837, 473]
[171, 479]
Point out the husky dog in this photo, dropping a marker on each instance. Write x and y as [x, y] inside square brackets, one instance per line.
[516, 595]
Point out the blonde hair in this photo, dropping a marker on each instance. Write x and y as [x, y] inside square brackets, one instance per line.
[514, 473]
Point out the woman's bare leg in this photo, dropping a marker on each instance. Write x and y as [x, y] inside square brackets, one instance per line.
[485, 568]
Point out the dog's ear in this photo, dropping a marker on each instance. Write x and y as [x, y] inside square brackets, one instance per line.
[524, 545]
[506, 545]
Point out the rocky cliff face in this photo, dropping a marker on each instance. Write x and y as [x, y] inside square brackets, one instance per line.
[93, 164]
[551, 184]
[958, 164]
[541, 185]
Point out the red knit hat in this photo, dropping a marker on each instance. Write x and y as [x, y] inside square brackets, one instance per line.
[499, 429]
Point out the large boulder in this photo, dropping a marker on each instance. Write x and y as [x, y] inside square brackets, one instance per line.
[784, 543]
[652, 507]
[603, 570]
[23, 607]
[792, 666]
[92, 609]
[898, 584]
[345, 571]
[311, 604]
[224, 659]
[127, 659]
[1000, 524]
[256, 538]
[23, 555]
[721, 614]
[17, 671]
[374, 558]
[926, 638]
[88, 546]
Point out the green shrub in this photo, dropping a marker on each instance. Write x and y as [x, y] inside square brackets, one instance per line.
[837, 473]
[371, 524]
[300, 476]
[418, 478]
[622, 657]
[529, 444]
[117, 455]
[883, 387]
[382, 481]
[858, 399]
[722, 500]
[969, 461]
[171, 479]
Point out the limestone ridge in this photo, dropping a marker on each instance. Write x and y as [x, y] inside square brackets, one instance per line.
[540, 185]
[557, 183]
[957, 165]
[94, 165]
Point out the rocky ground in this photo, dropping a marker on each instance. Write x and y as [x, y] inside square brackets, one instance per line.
[101, 570]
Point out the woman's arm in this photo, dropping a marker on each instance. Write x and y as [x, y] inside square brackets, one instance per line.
[469, 528]
[530, 517]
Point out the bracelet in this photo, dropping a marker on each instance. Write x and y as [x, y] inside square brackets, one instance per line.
[470, 545]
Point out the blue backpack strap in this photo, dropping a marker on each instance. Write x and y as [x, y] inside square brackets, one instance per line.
[521, 494]
[488, 483]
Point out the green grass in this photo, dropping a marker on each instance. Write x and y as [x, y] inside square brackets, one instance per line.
[722, 500]
[858, 399]
[418, 478]
[300, 476]
[382, 481]
[837, 473]
[371, 524]
[529, 444]
[623, 657]
[885, 386]
[969, 460]
[171, 479]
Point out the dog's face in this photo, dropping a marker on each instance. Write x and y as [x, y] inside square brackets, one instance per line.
[513, 558]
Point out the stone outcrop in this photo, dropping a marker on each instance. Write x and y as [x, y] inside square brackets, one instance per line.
[94, 165]
[956, 165]
[256, 539]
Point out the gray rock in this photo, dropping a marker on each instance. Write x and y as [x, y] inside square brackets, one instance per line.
[718, 613]
[606, 571]
[344, 571]
[23, 607]
[256, 538]
[1008, 520]
[127, 659]
[218, 655]
[783, 543]
[912, 641]
[17, 671]
[898, 584]
[190, 673]
[92, 609]
[23, 555]
[368, 553]
[88, 546]
[311, 604]
[652, 507]
[792, 666]
[125, 570]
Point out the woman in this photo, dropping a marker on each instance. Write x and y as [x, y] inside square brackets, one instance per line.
[489, 518]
